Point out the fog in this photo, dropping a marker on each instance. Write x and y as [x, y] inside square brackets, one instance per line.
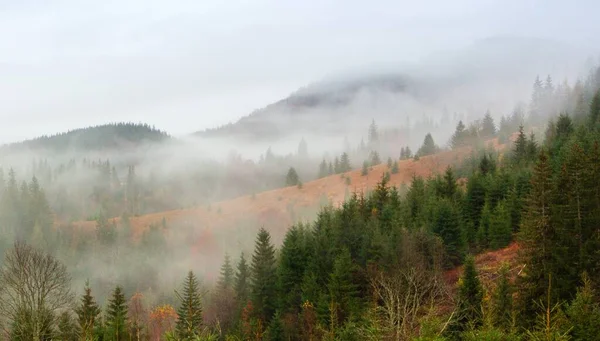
[237, 87]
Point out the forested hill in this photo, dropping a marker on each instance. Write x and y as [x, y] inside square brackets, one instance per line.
[101, 137]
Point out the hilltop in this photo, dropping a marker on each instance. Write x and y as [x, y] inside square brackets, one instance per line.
[111, 136]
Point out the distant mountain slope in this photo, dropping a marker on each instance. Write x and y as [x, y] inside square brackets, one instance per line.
[96, 138]
[492, 73]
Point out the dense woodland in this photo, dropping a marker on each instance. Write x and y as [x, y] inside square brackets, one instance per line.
[372, 269]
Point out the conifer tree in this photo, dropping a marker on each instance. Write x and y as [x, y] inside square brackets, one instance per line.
[116, 317]
[263, 280]
[336, 166]
[242, 285]
[531, 149]
[292, 178]
[275, 330]
[330, 169]
[292, 264]
[488, 128]
[429, 147]
[375, 160]
[470, 297]
[343, 293]
[584, 313]
[345, 165]
[323, 169]
[449, 184]
[536, 238]
[500, 230]
[395, 168]
[389, 162]
[365, 168]
[595, 109]
[88, 313]
[484, 226]
[447, 226]
[460, 136]
[189, 314]
[373, 134]
[226, 278]
[520, 150]
[502, 300]
[66, 327]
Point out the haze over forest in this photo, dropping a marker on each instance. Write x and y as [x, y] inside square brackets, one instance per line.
[300, 171]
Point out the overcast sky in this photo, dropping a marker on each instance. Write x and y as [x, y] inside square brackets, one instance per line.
[188, 65]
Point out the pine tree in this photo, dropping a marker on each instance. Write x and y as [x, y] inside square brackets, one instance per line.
[449, 184]
[502, 300]
[88, 313]
[116, 317]
[293, 260]
[323, 169]
[373, 134]
[263, 279]
[343, 293]
[395, 169]
[484, 226]
[487, 165]
[375, 160]
[531, 149]
[365, 168]
[470, 297]
[189, 314]
[66, 328]
[275, 330]
[595, 109]
[584, 313]
[302, 149]
[429, 147]
[500, 230]
[389, 162]
[242, 285]
[447, 225]
[226, 278]
[536, 239]
[291, 178]
[345, 163]
[488, 128]
[520, 150]
[459, 138]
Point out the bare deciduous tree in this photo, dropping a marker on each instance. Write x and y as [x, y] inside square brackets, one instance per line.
[34, 286]
[405, 293]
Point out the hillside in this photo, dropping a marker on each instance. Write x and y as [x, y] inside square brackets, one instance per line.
[276, 209]
[96, 138]
[496, 71]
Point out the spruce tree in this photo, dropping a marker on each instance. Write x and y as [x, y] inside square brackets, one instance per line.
[470, 297]
[531, 149]
[447, 225]
[373, 134]
[584, 313]
[395, 168]
[343, 293]
[488, 128]
[365, 168]
[293, 260]
[226, 278]
[323, 169]
[345, 165]
[116, 317]
[242, 285]
[484, 226]
[292, 178]
[536, 239]
[500, 230]
[189, 314]
[375, 160]
[263, 279]
[67, 331]
[275, 330]
[88, 313]
[595, 109]
[520, 149]
[502, 300]
[429, 147]
[459, 138]
[449, 184]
